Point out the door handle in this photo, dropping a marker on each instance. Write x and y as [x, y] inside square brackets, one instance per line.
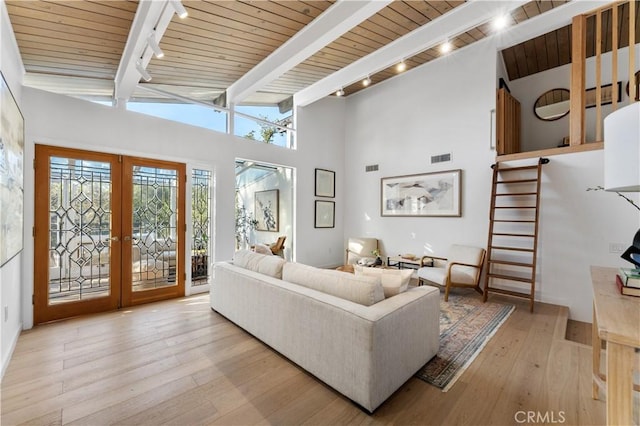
[115, 239]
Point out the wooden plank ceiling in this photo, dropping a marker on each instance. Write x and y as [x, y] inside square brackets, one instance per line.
[554, 48]
[75, 46]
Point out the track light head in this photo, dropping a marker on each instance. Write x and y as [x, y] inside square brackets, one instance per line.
[143, 73]
[446, 47]
[179, 8]
[340, 92]
[500, 22]
[366, 81]
[402, 66]
[153, 44]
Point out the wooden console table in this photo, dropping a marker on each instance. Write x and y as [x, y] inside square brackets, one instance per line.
[616, 320]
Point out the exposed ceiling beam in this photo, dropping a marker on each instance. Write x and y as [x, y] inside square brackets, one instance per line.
[457, 21]
[330, 25]
[151, 15]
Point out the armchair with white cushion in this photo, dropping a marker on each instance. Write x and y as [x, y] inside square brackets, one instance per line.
[461, 268]
[360, 248]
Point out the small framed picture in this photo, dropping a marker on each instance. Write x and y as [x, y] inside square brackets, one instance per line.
[325, 183]
[325, 214]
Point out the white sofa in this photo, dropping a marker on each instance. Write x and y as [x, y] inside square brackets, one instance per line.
[364, 352]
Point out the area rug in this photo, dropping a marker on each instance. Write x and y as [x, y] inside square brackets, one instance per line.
[466, 325]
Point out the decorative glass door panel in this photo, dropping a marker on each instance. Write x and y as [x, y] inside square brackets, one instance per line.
[108, 232]
[154, 229]
[77, 247]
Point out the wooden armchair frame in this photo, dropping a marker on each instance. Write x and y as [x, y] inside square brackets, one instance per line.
[449, 266]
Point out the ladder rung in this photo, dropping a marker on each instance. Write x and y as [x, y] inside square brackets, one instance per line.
[514, 221]
[513, 235]
[517, 181]
[510, 263]
[512, 248]
[516, 194]
[510, 278]
[515, 207]
[509, 292]
[513, 169]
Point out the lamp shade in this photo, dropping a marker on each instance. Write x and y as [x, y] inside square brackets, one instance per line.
[622, 149]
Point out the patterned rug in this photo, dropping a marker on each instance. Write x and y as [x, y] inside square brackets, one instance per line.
[466, 325]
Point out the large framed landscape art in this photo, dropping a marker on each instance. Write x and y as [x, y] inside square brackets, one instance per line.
[11, 180]
[426, 194]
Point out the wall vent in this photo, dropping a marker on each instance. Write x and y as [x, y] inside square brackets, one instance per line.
[371, 168]
[440, 158]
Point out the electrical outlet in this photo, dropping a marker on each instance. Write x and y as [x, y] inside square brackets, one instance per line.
[617, 247]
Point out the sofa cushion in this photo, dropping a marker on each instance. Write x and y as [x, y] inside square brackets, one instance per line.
[365, 290]
[394, 281]
[268, 265]
[262, 249]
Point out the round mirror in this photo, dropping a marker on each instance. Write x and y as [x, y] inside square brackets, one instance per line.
[637, 97]
[552, 105]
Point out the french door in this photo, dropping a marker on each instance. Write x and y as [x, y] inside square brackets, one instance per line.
[109, 232]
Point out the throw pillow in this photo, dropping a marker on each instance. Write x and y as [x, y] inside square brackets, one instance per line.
[268, 265]
[394, 281]
[363, 290]
[262, 249]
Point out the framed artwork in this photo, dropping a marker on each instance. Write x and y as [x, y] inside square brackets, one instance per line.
[266, 210]
[325, 183]
[427, 194]
[11, 178]
[325, 214]
[607, 95]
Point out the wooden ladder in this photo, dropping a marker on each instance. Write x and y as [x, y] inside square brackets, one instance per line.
[513, 230]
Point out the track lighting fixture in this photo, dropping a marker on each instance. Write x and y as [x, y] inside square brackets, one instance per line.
[180, 10]
[366, 81]
[153, 44]
[500, 22]
[143, 73]
[446, 47]
[340, 92]
[401, 66]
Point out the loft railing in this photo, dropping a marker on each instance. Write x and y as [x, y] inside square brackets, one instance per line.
[622, 19]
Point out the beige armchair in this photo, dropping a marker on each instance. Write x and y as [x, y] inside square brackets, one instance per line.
[462, 268]
[359, 248]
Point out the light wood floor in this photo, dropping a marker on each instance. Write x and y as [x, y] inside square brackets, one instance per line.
[179, 363]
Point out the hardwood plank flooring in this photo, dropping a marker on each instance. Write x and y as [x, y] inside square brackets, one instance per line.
[177, 362]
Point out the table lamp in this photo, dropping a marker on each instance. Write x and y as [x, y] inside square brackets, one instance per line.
[622, 161]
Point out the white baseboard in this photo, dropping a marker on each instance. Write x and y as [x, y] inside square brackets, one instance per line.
[14, 342]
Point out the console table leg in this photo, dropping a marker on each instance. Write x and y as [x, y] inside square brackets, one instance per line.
[596, 346]
[619, 384]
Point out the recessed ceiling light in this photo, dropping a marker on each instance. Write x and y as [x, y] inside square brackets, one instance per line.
[401, 66]
[366, 81]
[446, 47]
[340, 92]
[500, 22]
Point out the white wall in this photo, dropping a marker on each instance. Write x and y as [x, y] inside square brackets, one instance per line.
[11, 272]
[539, 134]
[444, 106]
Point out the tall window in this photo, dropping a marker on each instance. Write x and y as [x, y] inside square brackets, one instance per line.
[201, 224]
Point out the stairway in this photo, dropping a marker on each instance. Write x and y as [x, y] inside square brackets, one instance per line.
[513, 231]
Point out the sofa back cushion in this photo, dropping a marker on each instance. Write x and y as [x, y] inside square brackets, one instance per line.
[268, 265]
[363, 290]
[394, 281]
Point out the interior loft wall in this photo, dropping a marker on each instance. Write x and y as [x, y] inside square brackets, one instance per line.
[537, 134]
[64, 121]
[282, 180]
[11, 273]
[444, 106]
